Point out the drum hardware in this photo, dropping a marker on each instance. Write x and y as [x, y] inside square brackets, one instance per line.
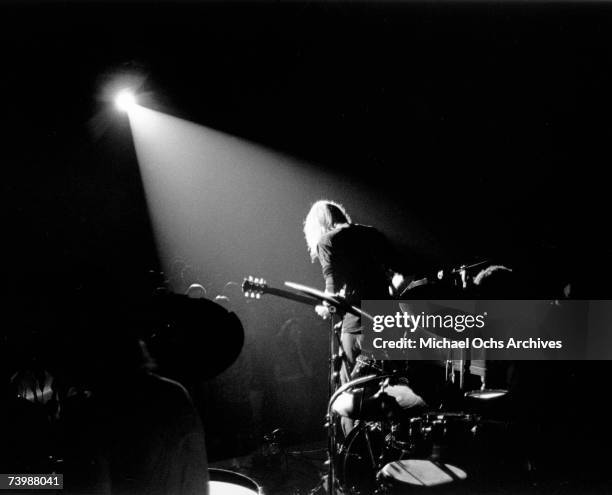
[455, 367]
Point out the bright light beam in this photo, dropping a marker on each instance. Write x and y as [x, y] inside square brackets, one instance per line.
[231, 206]
[219, 201]
[125, 100]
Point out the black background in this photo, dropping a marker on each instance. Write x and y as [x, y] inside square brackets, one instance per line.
[488, 122]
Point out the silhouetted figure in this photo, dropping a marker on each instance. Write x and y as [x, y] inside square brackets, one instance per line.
[126, 430]
[355, 261]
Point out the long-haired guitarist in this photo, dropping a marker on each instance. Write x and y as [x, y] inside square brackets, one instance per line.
[355, 260]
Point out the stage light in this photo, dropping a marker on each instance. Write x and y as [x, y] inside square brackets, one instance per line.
[125, 100]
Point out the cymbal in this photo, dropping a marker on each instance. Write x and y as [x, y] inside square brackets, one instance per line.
[486, 394]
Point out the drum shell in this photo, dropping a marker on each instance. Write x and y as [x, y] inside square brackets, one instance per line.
[410, 437]
[452, 436]
[445, 436]
[362, 455]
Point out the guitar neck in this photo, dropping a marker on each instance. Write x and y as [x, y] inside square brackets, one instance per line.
[311, 301]
[254, 287]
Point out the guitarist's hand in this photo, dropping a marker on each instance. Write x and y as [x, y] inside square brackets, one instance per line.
[399, 284]
[323, 310]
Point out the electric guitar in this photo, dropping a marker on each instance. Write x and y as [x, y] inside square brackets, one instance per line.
[254, 287]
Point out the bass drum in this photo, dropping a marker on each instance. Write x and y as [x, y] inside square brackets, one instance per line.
[361, 457]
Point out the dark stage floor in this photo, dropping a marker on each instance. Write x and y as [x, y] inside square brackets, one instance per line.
[295, 472]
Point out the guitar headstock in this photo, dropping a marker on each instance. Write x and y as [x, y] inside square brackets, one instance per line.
[254, 287]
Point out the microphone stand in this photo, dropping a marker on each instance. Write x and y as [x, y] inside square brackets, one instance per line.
[337, 358]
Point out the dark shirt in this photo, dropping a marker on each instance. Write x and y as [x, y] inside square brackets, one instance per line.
[155, 441]
[355, 259]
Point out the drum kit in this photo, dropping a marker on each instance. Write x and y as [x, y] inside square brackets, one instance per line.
[397, 445]
[411, 448]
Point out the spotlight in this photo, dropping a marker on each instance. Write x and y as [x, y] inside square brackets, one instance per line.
[125, 100]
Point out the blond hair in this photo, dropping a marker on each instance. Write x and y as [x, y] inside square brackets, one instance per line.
[323, 217]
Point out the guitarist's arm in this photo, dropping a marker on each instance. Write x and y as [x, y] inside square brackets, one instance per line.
[328, 264]
[326, 258]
